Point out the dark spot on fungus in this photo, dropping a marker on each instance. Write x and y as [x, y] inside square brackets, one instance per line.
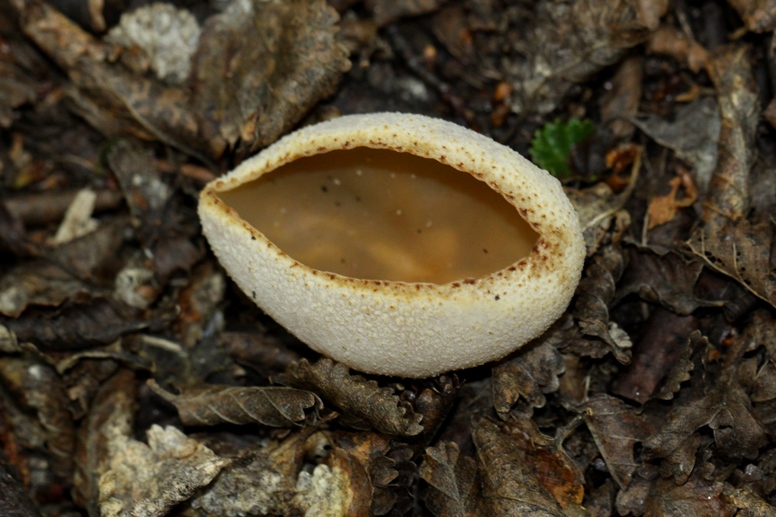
[253, 237]
[324, 188]
[469, 281]
[497, 297]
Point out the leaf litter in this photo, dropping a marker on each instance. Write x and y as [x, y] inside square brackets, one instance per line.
[135, 379]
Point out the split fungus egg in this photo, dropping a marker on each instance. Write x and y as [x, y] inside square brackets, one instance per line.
[398, 244]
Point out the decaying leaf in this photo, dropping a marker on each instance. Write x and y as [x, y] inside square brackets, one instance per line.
[692, 135]
[110, 418]
[698, 497]
[283, 58]
[595, 292]
[743, 251]
[724, 407]
[213, 405]
[662, 209]
[677, 44]
[509, 476]
[453, 491]
[38, 388]
[668, 280]
[759, 15]
[530, 374]
[661, 358]
[567, 43]
[616, 428]
[148, 480]
[340, 487]
[260, 480]
[363, 404]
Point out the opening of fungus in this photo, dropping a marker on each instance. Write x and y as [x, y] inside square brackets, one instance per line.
[383, 215]
[398, 244]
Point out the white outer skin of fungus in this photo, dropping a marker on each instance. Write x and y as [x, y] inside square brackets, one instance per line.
[397, 328]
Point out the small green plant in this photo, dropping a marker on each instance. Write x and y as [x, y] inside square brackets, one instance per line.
[551, 146]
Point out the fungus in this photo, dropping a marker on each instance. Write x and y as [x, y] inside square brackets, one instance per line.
[398, 244]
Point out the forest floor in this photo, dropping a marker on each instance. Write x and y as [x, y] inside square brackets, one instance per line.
[136, 379]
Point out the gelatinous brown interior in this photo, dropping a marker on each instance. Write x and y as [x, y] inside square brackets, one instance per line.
[379, 214]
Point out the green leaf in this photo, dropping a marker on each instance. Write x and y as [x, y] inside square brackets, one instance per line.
[552, 144]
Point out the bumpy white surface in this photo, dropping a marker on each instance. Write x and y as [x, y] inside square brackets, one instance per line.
[397, 328]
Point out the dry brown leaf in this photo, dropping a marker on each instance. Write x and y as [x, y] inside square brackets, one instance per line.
[699, 497]
[567, 43]
[730, 68]
[742, 250]
[213, 405]
[692, 135]
[725, 408]
[660, 358]
[510, 486]
[283, 58]
[363, 404]
[600, 208]
[668, 280]
[675, 43]
[662, 209]
[453, 488]
[100, 322]
[616, 428]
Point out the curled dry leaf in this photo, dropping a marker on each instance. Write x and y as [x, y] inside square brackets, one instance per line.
[452, 478]
[213, 405]
[148, 480]
[596, 292]
[363, 404]
[530, 374]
